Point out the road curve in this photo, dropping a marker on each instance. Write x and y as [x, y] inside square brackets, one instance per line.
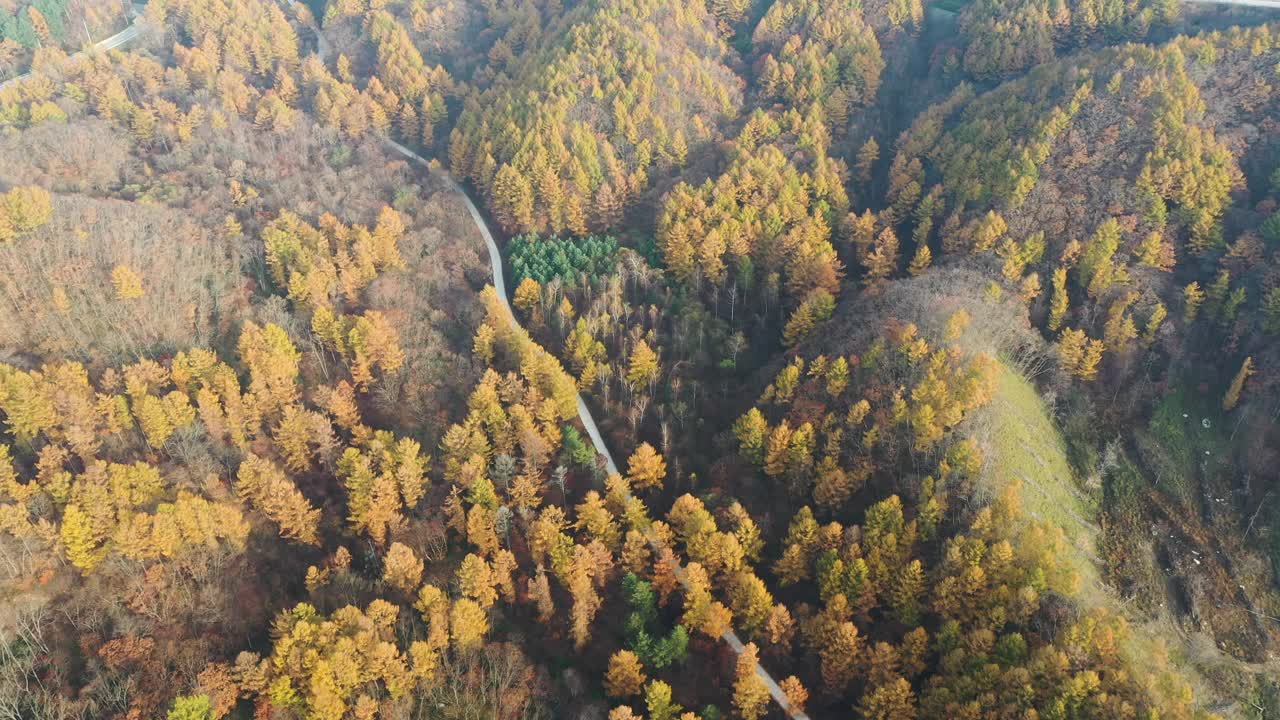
[499, 284]
[110, 43]
[584, 414]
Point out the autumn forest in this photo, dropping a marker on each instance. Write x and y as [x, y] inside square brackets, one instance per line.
[639, 360]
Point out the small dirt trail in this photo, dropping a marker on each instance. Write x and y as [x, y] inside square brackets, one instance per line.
[584, 414]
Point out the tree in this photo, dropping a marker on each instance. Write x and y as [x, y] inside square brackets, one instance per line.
[595, 518]
[401, 568]
[776, 447]
[907, 589]
[267, 488]
[625, 676]
[988, 232]
[891, 701]
[79, 539]
[540, 593]
[1192, 297]
[779, 627]
[796, 694]
[1232, 397]
[127, 282]
[750, 430]
[1156, 252]
[816, 309]
[191, 707]
[750, 696]
[646, 468]
[1098, 268]
[642, 366]
[1271, 311]
[750, 600]
[840, 656]
[468, 624]
[475, 580]
[1058, 302]
[374, 343]
[1079, 354]
[868, 154]
[528, 296]
[511, 199]
[882, 261]
[1154, 321]
[657, 699]
[23, 209]
[920, 263]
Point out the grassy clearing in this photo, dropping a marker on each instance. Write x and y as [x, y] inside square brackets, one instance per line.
[1177, 442]
[1021, 443]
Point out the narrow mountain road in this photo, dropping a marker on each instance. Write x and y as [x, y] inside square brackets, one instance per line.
[111, 43]
[584, 414]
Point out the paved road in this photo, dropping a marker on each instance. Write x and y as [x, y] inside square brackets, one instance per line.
[584, 414]
[110, 43]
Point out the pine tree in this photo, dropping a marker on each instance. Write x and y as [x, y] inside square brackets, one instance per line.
[750, 430]
[625, 676]
[868, 154]
[646, 468]
[776, 448]
[511, 198]
[540, 594]
[657, 699]
[750, 696]
[750, 600]
[1192, 297]
[401, 568]
[920, 263]
[1079, 354]
[642, 366]
[892, 701]
[528, 297]
[1059, 300]
[1232, 397]
[267, 488]
[1271, 311]
[23, 209]
[128, 283]
[1154, 321]
[907, 589]
[1099, 268]
[476, 581]
[882, 261]
[374, 343]
[988, 232]
[779, 628]
[79, 540]
[840, 656]
[468, 624]
[796, 694]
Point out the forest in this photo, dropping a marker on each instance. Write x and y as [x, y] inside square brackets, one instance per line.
[639, 360]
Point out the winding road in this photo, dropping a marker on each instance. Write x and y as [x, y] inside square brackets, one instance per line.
[584, 414]
[111, 43]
